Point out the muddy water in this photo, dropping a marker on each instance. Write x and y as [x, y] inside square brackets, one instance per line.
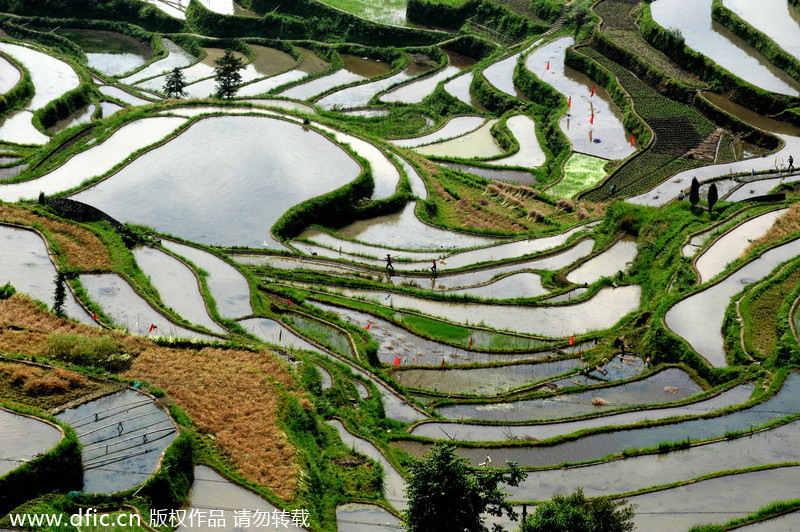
[396, 341]
[459, 87]
[521, 177]
[477, 144]
[669, 385]
[364, 66]
[259, 188]
[418, 187]
[698, 318]
[394, 485]
[384, 172]
[23, 438]
[51, 77]
[25, 263]
[95, 161]
[129, 310]
[669, 189]
[597, 446]
[360, 95]
[9, 75]
[80, 116]
[123, 96]
[355, 69]
[112, 430]
[404, 230]
[454, 127]
[227, 285]
[776, 18]
[109, 52]
[713, 40]
[269, 61]
[516, 285]
[605, 138]
[483, 381]
[276, 333]
[751, 117]
[735, 496]
[358, 517]
[617, 258]
[620, 476]
[730, 246]
[602, 311]
[530, 153]
[475, 432]
[266, 85]
[210, 490]
[311, 62]
[176, 57]
[417, 91]
[17, 127]
[177, 286]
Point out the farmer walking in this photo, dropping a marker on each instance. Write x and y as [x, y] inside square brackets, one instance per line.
[389, 262]
[433, 267]
[791, 164]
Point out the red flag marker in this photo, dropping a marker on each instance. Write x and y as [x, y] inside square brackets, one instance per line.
[594, 88]
[95, 317]
[442, 362]
[581, 353]
[548, 66]
[368, 326]
[289, 302]
[569, 102]
[152, 328]
[633, 141]
[397, 361]
[571, 340]
[591, 119]
[470, 341]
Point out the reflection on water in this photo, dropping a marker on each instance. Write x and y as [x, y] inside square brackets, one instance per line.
[109, 52]
[23, 438]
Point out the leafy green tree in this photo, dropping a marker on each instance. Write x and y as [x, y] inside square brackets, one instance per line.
[574, 513]
[175, 84]
[60, 295]
[713, 196]
[694, 192]
[227, 74]
[446, 495]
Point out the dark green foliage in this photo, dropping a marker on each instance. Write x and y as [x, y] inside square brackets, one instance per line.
[548, 10]
[504, 24]
[227, 74]
[98, 351]
[175, 84]
[757, 39]
[574, 513]
[60, 294]
[694, 192]
[60, 469]
[444, 494]
[6, 291]
[713, 196]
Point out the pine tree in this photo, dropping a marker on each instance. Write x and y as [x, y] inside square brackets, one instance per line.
[694, 192]
[227, 74]
[175, 83]
[713, 196]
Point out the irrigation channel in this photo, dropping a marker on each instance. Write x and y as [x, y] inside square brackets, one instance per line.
[453, 230]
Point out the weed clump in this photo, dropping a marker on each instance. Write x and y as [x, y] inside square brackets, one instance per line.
[99, 351]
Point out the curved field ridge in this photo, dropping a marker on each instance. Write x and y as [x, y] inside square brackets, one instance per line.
[25, 263]
[23, 438]
[176, 57]
[698, 318]
[617, 258]
[177, 286]
[705, 36]
[605, 138]
[227, 285]
[129, 310]
[732, 244]
[51, 77]
[772, 17]
[669, 385]
[474, 432]
[123, 436]
[454, 127]
[95, 161]
[602, 311]
[178, 188]
[530, 154]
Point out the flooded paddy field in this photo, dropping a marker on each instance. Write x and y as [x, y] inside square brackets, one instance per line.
[23, 439]
[110, 53]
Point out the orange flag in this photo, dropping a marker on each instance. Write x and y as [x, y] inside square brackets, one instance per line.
[633, 141]
[594, 88]
[470, 341]
[548, 66]
[397, 361]
[571, 340]
[569, 102]
[591, 119]
[368, 326]
[289, 302]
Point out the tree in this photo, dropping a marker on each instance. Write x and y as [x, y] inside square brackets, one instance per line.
[227, 74]
[574, 513]
[175, 83]
[60, 294]
[694, 192]
[713, 196]
[445, 495]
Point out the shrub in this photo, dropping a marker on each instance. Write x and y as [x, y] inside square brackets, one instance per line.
[100, 351]
[7, 291]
